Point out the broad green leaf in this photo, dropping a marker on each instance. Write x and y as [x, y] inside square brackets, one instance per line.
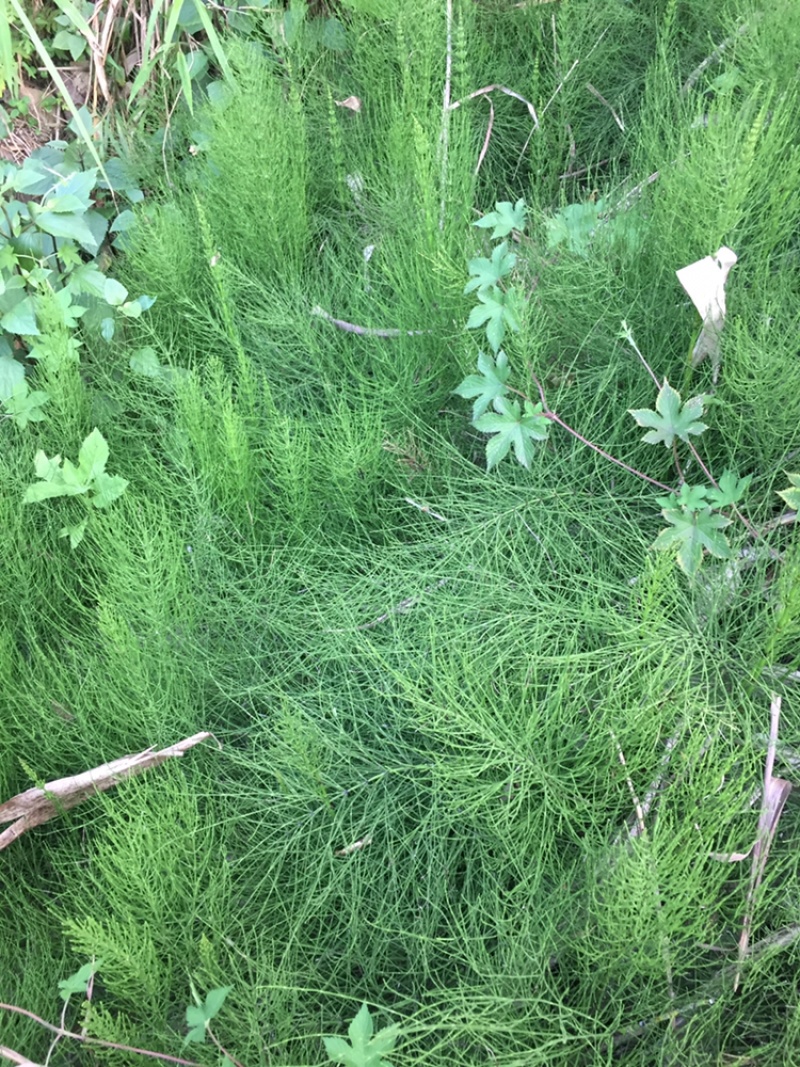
[124, 221]
[11, 374]
[731, 489]
[79, 981]
[488, 272]
[44, 467]
[93, 455]
[505, 218]
[70, 312]
[75, 534]
[25, 405]
[75, 227]
[361, 1028]
[792, 495]
[496, 310]
[215, 998]
[107, 328]
[48, 490]
[690, 498]
[486, 386]
[691, 533]
[514, 427]
[199, 1015]
[670, 420]
[145, 361]
[21, 319]
[575, 226]
[114, 293]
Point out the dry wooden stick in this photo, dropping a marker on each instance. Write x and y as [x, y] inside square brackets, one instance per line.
[365, 331]
[37, 806]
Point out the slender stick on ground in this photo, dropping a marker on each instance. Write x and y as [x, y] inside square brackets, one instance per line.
[366, 331]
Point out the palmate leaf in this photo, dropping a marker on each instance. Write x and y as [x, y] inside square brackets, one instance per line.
[364, 1050]
[25, 405]
[497, 310]
[693, 529]
[488, 385]
[505, 218]
[731, 489]
[670, 419]
[488, 272]
[513, 427]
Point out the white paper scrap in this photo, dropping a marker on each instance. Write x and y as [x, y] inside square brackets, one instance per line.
[704, 281]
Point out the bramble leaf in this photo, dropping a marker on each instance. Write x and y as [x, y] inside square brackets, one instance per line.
[670, 420]
[505, 218]
[487, 385]
[364, 1050]
[488, 272]
[515, 427]
[792, 495]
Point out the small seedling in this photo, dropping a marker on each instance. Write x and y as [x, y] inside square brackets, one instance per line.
[364, 1050]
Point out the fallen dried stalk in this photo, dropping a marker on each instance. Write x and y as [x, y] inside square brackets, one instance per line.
[365, 331]
[37, 806]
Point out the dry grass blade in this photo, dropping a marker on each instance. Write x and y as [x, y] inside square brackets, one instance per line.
[37, 806]
[776, 792]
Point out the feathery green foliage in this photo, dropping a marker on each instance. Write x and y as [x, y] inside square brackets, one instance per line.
[422, 675]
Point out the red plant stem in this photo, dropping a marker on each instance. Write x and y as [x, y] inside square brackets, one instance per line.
[96, 1040]
[706, 471]
[548, 414]
[223, 1050]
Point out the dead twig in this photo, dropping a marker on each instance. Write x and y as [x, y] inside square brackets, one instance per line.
[37, 806]
[366, 331]
[603, 100]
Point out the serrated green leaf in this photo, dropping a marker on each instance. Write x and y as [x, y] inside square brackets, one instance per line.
[513, 427]
[21, 319]
[125, 221]
[75, 227]
[488, 385]
[361, 1028]
[690, 498]
[670, 420]
[497, 310]
[792, 495]
[93, 455]
[107, 488]
[505, 218]
[145, 361]
[731, 489]
[365, 1049]
[488, 272]
[11, 374]
[692, 532]
[338, 1050]
[26, 406]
